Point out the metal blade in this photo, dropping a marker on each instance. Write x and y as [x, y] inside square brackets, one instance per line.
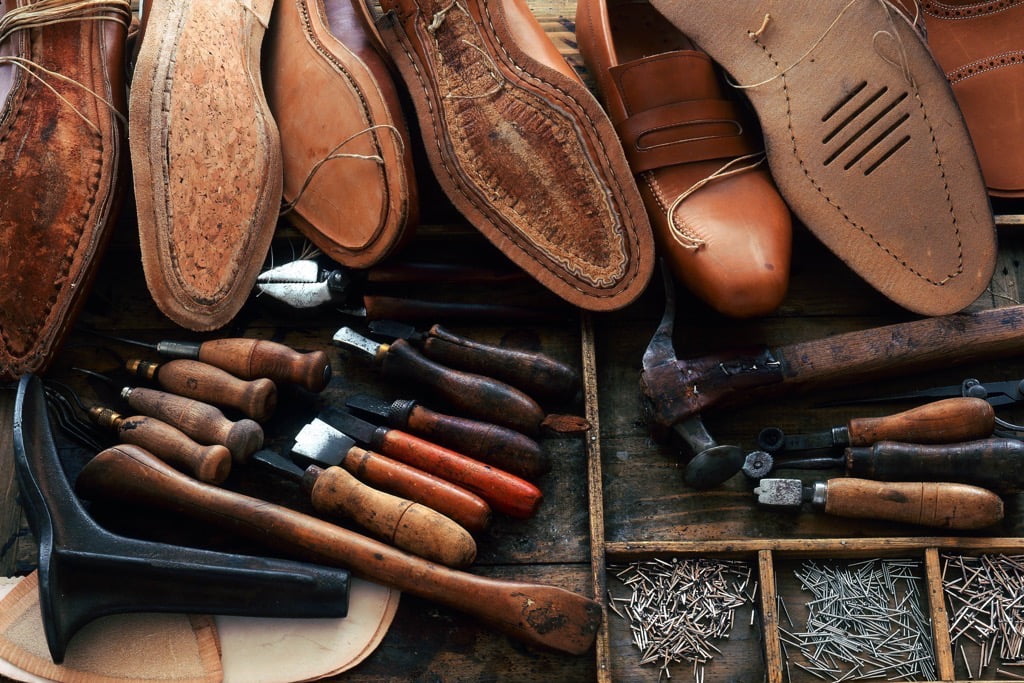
[321, 444]
[301, 271]
[368, 405]
[349, 337]
[298, 294]
[347, 423]
[661, 350]
[392, 329]
[277, 463]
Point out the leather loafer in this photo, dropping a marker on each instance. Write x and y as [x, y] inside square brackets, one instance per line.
[349, 184]
[521, 147]
[206, 156]
[718, 220]
[62, 157]
[980, 46]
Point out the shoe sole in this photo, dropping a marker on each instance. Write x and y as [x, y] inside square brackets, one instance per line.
[524, 152]
[205, 155]
[864, 139]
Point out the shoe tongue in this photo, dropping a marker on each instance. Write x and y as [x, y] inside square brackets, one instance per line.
[665, 79]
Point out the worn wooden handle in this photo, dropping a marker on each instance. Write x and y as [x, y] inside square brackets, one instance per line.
[948, 421]
[936, 504]
[493, 444]
[504, 492]
[210, 463]
[476, 396]
[254, 358]
[410, 526]
[539, 376]
[255, 398]
[467, 509]
[201, 421]
[541, 615]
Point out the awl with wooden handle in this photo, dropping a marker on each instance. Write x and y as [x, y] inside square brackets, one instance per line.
[504, 492]
[210, 463]
[951, 420]
[477, 396]
[255, 398]
[404, 524]
[540, 376]
[320, 444]
[935, 504]
[541, 615]
[502, 447]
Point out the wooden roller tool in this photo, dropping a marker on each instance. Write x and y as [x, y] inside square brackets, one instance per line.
[404, 524]
[211, 463]
[256, 398]
[201, 421]
[537, 614]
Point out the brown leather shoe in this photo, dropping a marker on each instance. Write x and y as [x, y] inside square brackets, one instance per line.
[521, 147]
[727, 235]
[348, 175]
[980, 46]
[62, 153]
[205, 155]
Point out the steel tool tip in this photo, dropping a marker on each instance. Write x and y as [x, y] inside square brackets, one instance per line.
[321, 443]
[349, 337]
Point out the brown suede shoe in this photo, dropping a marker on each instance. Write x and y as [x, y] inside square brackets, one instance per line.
[62, 157]
[348, 177]
[205, 154]
[718, 219]
[521, 147]
[980, 46]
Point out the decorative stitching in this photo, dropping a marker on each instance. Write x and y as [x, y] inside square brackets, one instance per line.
[980, 66]
[941, 10]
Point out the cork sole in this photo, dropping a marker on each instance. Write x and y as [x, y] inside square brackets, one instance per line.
[205, 156]
[863, 137]
[524, 152]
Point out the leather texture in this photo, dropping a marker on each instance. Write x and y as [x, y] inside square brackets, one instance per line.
[727, 238]
[980, 46]
[206, 156]
[864, 139]
[521, 147]
[349, 184]
[61, 170]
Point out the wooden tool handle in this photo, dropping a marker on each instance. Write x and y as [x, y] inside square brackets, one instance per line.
[201, 421]
[493, 444]
[994, 464]
[948, 421]
[538, 375]
[253, 358]
[467, 509]
[255, 398]
[504, 492]
[475, 395]
[541, 615]
[407, 525]
[211, 463]
[936, 504]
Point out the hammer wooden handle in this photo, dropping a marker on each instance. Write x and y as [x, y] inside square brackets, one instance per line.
[211, 464]
[537, 614]
[410, 526]
[201, 421]
[935, 504]
[477, 396]
[253, 358]
[468, 509]
[256, 399]
[948, 421]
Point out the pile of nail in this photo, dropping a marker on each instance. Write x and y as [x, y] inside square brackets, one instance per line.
[679, 608]
[865, 621]
[985, 597]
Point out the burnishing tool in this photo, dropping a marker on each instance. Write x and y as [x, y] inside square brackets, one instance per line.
[249, 359]
[537, 614]
[504, 492]
[676, 391]
[538, 375]
[404, 524]
[87, 572]
[502, 447]
[320, 444]
[256, 398]
[201, 421]
[936, 504]
[996, 464]
[951, 420]
[476, 396]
